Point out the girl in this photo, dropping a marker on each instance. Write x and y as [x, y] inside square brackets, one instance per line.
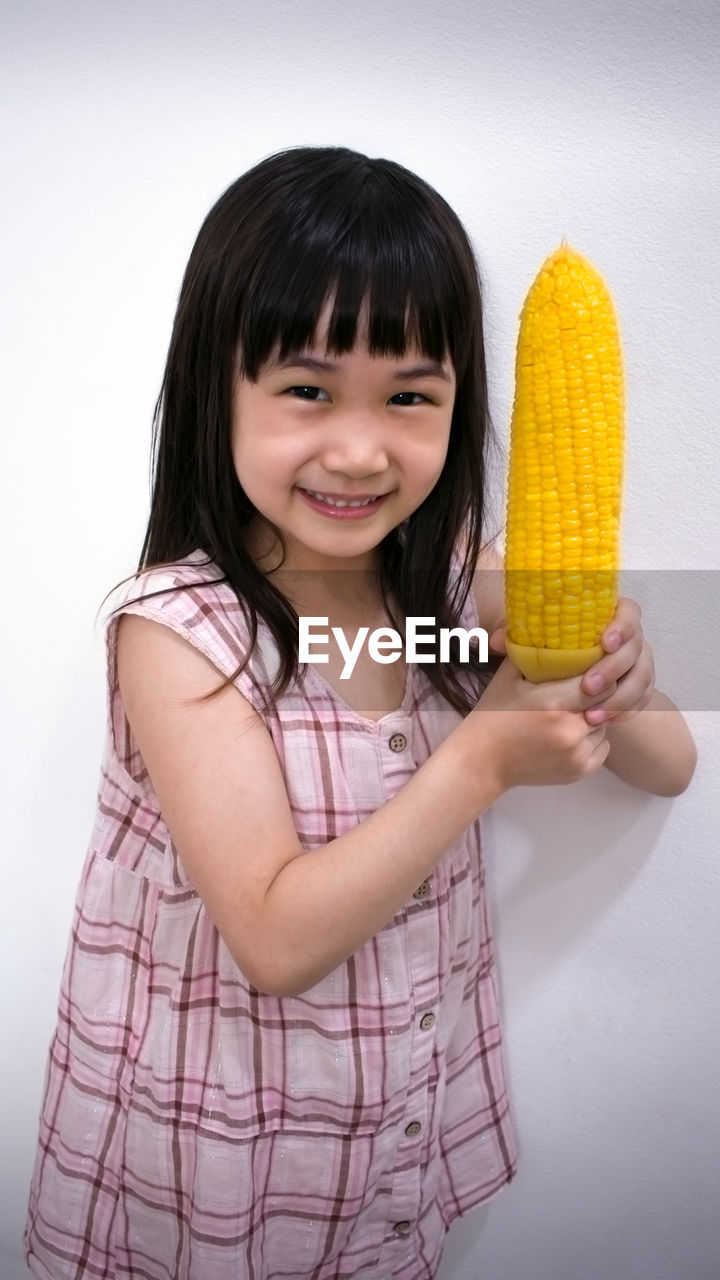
[278, 1051]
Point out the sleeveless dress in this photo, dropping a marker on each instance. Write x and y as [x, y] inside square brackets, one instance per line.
[193, 1128]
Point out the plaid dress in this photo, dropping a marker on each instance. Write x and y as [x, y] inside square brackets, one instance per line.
[193, 1128]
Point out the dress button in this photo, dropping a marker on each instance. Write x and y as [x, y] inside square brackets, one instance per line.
[412, 1130]
[427, 1021]
[401, 1228]
[422, 890]
[398, 742]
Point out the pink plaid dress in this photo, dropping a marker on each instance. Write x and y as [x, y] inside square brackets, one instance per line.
[195, 1129]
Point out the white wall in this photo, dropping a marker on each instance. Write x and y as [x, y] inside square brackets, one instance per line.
[598, 122]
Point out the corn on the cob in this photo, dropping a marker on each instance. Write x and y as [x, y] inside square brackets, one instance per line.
[565, 473]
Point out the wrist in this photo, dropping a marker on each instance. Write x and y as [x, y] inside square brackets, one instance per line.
[478, 767]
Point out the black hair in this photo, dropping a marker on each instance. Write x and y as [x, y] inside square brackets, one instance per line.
[305, 227]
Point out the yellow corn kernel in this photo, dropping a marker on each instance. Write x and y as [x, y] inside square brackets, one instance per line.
[565, 471]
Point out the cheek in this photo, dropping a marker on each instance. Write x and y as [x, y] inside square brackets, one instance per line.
[431, 458]
[265, 461]
[248, 454]
[241, 460]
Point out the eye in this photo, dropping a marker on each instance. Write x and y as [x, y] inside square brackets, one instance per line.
[409, 398]
[308, 393]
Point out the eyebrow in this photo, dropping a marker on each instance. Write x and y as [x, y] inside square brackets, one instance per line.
[296, 360]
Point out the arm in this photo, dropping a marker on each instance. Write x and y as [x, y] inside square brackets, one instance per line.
[651, 747]
[654, 751]
[289, 917]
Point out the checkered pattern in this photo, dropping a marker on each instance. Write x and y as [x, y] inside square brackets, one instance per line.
[195, 1129]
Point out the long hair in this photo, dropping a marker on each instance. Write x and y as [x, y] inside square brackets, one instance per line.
[303, 227]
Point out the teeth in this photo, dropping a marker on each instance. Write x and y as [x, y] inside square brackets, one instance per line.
[339, 502]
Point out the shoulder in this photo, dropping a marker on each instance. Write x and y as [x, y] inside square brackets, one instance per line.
[169, 612]
[174, 587]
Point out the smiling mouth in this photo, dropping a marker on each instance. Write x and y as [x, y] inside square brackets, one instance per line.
[338, 507]
[331, 501]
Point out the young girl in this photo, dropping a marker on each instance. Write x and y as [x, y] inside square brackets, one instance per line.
[278, 1051]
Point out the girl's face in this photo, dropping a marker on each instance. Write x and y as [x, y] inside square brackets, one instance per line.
[336, 451]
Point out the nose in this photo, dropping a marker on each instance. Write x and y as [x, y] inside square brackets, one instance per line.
[356, 446]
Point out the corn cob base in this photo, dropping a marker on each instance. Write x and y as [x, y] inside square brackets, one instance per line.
[552, 664]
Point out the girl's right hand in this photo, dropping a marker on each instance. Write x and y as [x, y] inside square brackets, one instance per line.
[539, 731]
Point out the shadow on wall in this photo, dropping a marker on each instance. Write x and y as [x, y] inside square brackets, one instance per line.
[558, 858]
[460, 1256]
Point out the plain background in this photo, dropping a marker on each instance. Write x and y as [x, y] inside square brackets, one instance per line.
[598, 122]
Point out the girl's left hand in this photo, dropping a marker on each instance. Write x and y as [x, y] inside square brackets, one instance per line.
[624, 679]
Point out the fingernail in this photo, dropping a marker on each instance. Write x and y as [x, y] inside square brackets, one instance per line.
[614, 640]
[595, 683]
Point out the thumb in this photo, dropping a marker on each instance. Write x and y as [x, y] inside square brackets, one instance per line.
[496, 640]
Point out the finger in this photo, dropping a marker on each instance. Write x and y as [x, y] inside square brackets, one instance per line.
[600, 678]
[623, 717]
[626, 620]
[632, 693]
[595, 749]
[497, 640]
[629, 707]
[600, 753]
[561, 695]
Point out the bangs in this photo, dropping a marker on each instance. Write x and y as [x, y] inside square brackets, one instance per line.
[377, 245]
